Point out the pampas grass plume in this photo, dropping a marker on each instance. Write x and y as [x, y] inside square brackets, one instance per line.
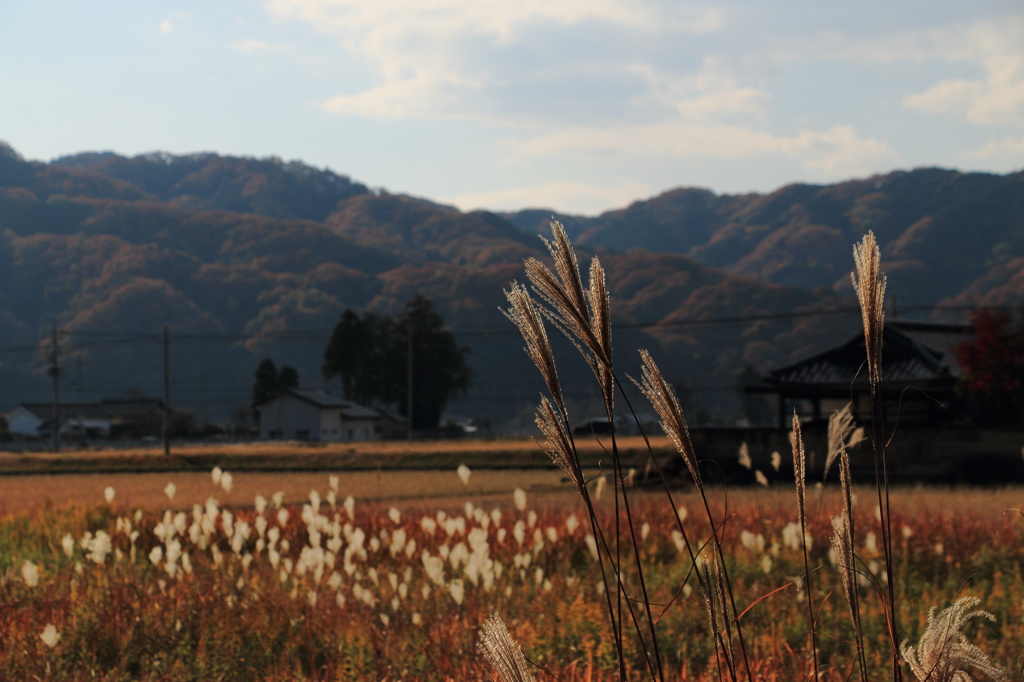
[501, 651]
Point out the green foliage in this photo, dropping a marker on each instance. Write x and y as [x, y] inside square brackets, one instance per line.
[271, 381]
[372, 354]
[363, 352]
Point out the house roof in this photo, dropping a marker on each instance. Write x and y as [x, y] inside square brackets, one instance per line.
[133, 408]
[105, 410]
[44, 411]
[317, 397]
[912, 352]
[942, 337]
[324, 400]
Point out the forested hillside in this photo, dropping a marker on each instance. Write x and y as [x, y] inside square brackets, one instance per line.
[250, 258]
[946, 236]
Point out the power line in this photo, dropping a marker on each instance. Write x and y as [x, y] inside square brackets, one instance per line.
[99, 339]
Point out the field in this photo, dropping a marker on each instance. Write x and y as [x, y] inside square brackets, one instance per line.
[389, 575]
[520, 453]
[377, 563]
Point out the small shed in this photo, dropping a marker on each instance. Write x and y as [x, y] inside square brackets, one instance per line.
[919, 376]
[316, 415]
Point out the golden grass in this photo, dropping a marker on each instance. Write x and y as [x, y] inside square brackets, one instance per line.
[146, 490]
[281, 447]
[442, 488]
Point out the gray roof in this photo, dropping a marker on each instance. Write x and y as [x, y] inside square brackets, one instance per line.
[911, 352]
[317, 396]
[323, 399]
[44, 411]
[941, 337]
[132, 408]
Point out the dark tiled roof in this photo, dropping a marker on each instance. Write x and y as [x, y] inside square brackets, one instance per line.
[905, 358]
[943, 338]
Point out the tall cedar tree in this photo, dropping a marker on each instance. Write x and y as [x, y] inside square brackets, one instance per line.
[270, 381]
[362, 352]
[993, 363]
[371, 354]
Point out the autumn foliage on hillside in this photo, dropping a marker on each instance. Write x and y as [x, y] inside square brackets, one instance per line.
[254, 258]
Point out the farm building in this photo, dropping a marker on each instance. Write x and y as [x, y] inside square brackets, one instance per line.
[919, 376]
[314, 414]
[109, 418]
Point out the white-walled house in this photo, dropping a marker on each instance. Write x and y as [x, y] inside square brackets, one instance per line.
[77, 420]
[314, 414]
[23, 421]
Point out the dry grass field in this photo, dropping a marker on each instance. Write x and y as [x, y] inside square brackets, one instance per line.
[394, 472]
[380, 561]
[308, 456]
[442, 488]
[146, 490]
[398, 586]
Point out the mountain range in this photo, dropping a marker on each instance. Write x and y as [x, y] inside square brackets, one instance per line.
[244, 258]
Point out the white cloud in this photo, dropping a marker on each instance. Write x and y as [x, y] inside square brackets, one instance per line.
[427, 95]
[504, 21]
[629, 80]
[723, 102]
[460, 59]
[837, 152]
[568, 197]
[996, 98]
[1009, 149]
[170, 23]
[949, 95]
[254, 45]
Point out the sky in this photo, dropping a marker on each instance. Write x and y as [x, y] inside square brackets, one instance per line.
[577, 106]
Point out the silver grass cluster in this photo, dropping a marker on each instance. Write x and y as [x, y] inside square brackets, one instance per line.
[846, 481]
[943, 654]
[715, 602]
[712, 602]
[664, 401]
[557, 444]
[800, 474]
[524, 314]
[501, 651]
[840, 426]
[869, 283]
[842, 546]
[583, 314]
[796, 441]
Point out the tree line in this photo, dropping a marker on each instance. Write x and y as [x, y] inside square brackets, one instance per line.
[383, 362]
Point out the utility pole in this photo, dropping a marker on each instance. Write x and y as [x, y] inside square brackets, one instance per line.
[408, 385]
[55, 373]
[81, 409]
[167, 395]
[202, 386]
